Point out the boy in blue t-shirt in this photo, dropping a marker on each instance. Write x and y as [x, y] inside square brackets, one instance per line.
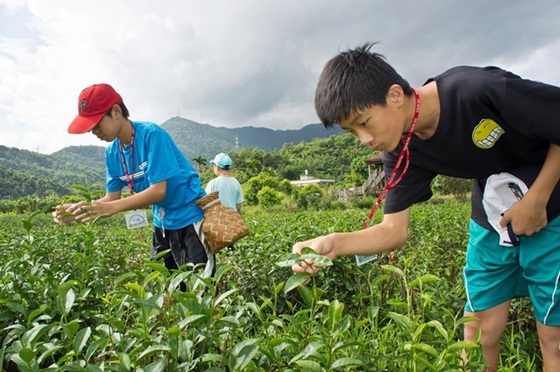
[468, 122]
[143, 158]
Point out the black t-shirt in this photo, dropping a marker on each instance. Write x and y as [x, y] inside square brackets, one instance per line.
[491, 121]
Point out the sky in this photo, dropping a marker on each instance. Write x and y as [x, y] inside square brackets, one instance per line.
[237, 63]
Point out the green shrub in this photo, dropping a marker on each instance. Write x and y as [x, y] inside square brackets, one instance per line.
[458, 187]
[255, 184]
[267, 197]
[309, 196]
[286, 187]
[364, 202]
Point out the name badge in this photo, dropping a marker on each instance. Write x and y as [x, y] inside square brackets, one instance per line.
[364, 259]
[135, 219]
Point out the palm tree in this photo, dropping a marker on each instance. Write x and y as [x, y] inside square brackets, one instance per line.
[201, 161]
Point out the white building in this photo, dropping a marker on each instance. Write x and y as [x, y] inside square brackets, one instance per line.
[306, 179]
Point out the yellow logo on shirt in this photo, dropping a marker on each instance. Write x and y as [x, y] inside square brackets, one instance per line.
[486, 133]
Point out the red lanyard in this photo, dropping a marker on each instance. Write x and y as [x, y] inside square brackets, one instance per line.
[391, 182]
[129, 177]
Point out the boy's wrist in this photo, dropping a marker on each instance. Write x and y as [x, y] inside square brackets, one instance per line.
[536, 199]
[330, 242]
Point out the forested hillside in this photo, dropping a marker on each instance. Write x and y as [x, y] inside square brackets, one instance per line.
[14, 185]
[24, 172]
[88, 163]
[338, 156]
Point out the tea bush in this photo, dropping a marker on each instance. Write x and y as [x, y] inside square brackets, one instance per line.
[91, 297]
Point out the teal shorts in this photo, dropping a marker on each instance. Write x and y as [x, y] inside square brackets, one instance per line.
[494, 274]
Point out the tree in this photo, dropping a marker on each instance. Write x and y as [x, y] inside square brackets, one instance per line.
[255, 184]
[268, 197]
[359, 173]
[201, 163]
[309, 196]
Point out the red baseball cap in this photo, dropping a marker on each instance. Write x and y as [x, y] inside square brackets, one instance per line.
[94, 102]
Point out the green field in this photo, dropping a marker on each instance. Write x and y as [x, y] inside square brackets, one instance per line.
[91, 298]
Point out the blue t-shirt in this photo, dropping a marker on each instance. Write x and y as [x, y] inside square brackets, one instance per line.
[157, 158]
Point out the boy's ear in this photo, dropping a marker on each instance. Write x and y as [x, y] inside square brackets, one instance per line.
[116, 111]
[395, 93]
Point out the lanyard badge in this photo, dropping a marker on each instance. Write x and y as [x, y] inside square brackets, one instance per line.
[135, 218]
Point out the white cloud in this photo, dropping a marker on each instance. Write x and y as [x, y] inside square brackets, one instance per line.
[237, 63]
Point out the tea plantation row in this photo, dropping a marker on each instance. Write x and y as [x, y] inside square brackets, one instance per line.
[91, 298]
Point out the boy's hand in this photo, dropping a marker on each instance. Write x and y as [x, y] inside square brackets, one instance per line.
[526, 217]
[322, 245]
[66, 213]
[89, 212]
[81, 212]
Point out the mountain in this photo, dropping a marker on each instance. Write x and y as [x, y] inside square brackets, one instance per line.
[24, 172]
[195, 139]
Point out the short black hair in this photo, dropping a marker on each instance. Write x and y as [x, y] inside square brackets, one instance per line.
[124, 110]
[353, 81]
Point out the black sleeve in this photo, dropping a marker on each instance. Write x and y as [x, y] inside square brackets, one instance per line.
[414, 187]
[533, 109]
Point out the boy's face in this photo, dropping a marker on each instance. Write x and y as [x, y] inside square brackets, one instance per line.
[106, 130]
[378, 127]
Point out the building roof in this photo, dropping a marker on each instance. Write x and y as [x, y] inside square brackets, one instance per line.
[375, 159]
[314, 181]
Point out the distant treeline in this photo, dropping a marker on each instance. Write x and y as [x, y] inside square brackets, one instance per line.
[24, 173]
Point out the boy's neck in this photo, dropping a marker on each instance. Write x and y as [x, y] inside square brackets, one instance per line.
[428, 117]
[125, 133]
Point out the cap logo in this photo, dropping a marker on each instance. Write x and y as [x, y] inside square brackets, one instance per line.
[83, 105]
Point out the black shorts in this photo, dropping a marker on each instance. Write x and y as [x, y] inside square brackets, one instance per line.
[184, 245]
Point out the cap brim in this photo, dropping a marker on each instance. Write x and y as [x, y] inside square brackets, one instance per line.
[83, 124]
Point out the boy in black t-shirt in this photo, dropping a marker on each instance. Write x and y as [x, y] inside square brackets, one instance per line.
[468, 122]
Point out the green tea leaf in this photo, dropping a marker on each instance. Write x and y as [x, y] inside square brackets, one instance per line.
[81, 339]
[295, 281]
[423, 279]
[308, 250]
[309, 365]
[288, 260]
[346, 362]
[393, 269]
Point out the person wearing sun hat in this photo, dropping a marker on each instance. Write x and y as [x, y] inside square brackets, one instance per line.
[143, 159]
[228, 187]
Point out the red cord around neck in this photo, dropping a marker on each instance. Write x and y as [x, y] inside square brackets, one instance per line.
[391, 182]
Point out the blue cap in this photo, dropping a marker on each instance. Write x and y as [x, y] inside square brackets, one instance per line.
[222, 160]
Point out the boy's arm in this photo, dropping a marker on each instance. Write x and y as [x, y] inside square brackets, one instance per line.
[66, 213]
[391, 233]
[528, 215]
[110, 196]
[108, 206]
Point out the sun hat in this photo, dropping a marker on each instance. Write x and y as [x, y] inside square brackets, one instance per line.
[222, 160]
[501, 192]
[94, 102]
